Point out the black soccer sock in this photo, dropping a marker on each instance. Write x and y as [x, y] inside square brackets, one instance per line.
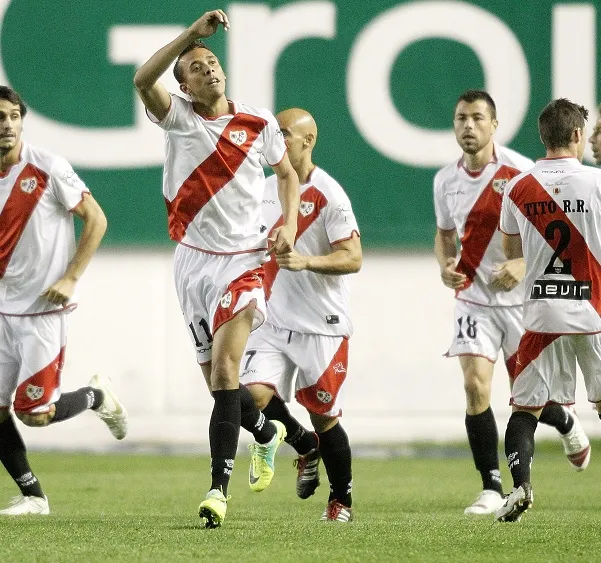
[558, 417]
[483, 438]
[13, 456]
[224, 430]
[335, 450]
[302, 440]
[253, 420]
[519, 445]
[71, 404]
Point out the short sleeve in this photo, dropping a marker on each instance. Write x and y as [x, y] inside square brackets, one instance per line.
[508, 222]
[274, 147]
[67, 186]
[339, 219]
[444, 220]
[177, 116]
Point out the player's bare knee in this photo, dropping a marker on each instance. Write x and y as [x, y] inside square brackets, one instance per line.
[322, 423]
[261, 394]
[34, 420]
[224, 374]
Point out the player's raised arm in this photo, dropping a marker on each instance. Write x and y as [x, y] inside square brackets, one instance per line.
[153, 94]
[289, 195]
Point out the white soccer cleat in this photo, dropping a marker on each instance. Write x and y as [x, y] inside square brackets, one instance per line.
[488, 502]
[22, 505]
[111, 411]
[576, 445]
[520, 500]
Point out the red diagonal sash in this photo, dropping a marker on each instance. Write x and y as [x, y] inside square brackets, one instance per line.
[214, 172]
[22, 200]
[310, 196]
[481, 224]
[585, 266]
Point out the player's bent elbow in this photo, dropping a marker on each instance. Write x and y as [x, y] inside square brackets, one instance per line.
[140, 81]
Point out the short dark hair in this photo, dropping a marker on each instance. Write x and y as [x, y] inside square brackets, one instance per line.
[557, 122]
[177, 71]
[471, 96]
[10, 95]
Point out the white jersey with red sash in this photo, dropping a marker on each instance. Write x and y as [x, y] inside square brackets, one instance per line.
[556, 208]
[37, 239]
[213, 178]
[470, 203]
[304, 301]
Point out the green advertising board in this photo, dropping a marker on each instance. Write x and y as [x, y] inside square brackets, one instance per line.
[380, 77]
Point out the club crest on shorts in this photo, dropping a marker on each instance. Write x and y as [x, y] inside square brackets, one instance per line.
[339, 368]
[29, 184]
[226, 300]
[306, 208]
[499, 185]
[34, 392]
[238, 137]
[324, 396]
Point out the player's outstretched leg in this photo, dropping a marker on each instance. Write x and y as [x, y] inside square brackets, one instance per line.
[13, 456]
[576, 444]
[262, 459]
[110, 411]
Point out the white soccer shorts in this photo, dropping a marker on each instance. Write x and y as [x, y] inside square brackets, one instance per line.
[546, 368]
[32, 353]
[275, 355]
[483, 331]
[213, 288]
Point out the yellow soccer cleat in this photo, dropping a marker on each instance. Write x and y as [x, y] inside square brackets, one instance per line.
[262, 460]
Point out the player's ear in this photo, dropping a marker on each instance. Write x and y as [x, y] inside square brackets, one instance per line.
[184, 88]
[495, 124]
[309, 140]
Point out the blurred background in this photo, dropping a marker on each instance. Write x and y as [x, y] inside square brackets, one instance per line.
[381, 79]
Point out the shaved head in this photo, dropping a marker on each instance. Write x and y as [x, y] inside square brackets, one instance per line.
[298, 121]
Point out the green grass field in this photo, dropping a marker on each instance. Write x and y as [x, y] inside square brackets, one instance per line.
[128, 508]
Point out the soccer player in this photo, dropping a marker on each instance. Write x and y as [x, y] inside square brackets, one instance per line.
[213, 185]
[595, 139]
[40, 265]
[308, 327]
[551, 217]
[488, 289]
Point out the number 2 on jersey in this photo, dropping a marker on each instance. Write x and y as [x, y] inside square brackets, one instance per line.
[564, 241]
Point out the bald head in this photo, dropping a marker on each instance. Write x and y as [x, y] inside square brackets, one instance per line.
[300, 134]
[298, 121]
